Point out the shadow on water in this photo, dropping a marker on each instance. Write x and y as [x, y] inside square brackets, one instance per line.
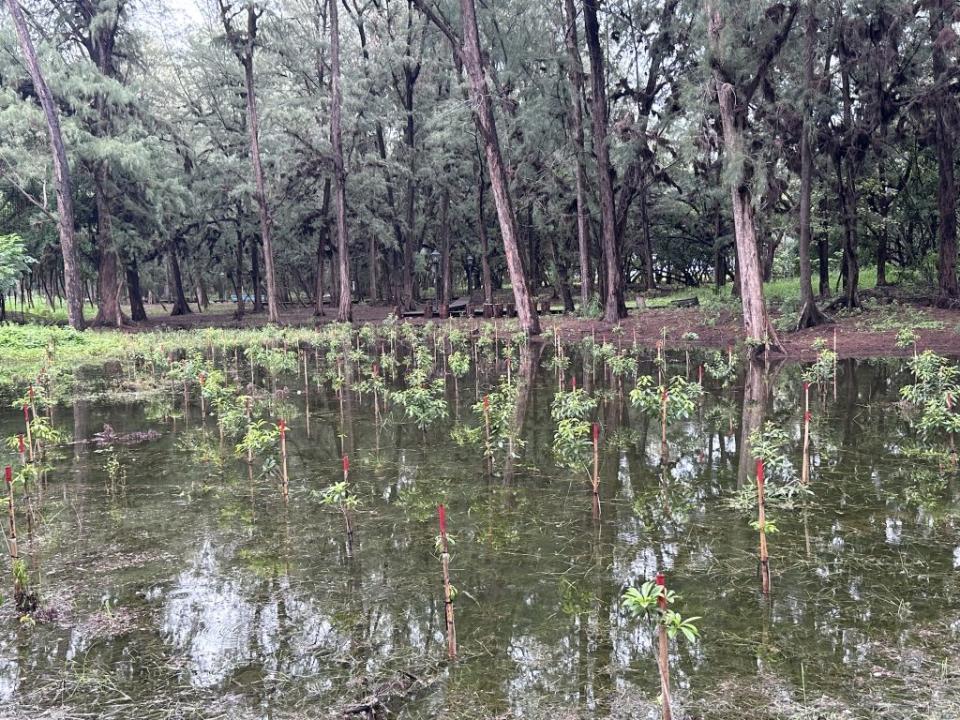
[180, 586]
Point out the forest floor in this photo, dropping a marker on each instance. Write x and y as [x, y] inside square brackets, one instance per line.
[871, 332]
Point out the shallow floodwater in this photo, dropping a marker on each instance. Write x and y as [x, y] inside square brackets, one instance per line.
[177, 586]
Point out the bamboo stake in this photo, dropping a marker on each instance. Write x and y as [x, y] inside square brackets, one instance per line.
[664, 653]
[306, 391]
[202, 378]
[26, 422]
[664, 398]
[451, 627]
[761, 520]
[486, 426]
[596, 471]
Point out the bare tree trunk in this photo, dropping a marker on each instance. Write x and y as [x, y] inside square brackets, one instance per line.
[445, 279]
[499, 182]
[810, 315]
[846, 178]
[482, 233]
[180, 304]
[321, 248]
[273, 312]
[345, 310]
[73, 288]
[614, 303]
[947, 290]
[238, 222]
[575, 74]
[138, 313]
[109, 313]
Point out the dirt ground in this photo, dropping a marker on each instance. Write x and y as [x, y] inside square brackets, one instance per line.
[856, 336]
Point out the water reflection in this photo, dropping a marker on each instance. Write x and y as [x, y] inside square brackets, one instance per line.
[234, 597]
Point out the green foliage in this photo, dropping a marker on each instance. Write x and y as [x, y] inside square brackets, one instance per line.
[681, 397]
[645, 603]
[338, 495]
[571, 439]
[937, 387]
[14, 261]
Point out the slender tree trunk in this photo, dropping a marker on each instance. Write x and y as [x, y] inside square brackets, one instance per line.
[345, 310]
[321, 248]
[810, 315]
[253, 122]
[484, 242]
[646, 246]
[756, 324]
[445, 279]
[180, 304]
[614, 303]
[73, 288]
[947, 289]
[409, 293]
[499, 181]
[137, 312]
[846, 177]
[255, 275]
[575, 74]
[241, 303]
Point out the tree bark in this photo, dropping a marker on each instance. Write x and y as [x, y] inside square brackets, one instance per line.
[180, 304]
[344, 310]
[575, 75]
[137, 312]
[445, 278]
[484, 242]
[947, 289]
[321, 248]
[73, 289]
[499, 181]
[614, 303]
[109, 313]
[810, 315]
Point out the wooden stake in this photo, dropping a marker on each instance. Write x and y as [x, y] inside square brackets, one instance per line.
[486, 424]
[596, 470]
[664, 398]
[447, 590]
[664, 654]
[26, 422]
[761, 520]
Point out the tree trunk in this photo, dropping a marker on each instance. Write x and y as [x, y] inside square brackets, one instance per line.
[575, 74]
[823, 266]
[409, 294]
[947, 289]
[614, 303]
[253, 122]
[73, 289]
[180, 304]
[646, 247]
[108, 280]
[137, 312]
[846, 179]
[445, 279]
[756, 324]
[484, 242]
[255, 275]
[499, 181]
[344, 310]
[321, 248]
[241, 303]
[810, 315]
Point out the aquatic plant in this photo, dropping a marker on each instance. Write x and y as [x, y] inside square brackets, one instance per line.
[934, 393]
[571, 411]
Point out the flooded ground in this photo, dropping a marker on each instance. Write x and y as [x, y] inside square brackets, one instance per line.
[175, 583]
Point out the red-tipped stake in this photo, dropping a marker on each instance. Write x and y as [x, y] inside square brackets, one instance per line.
[285, 486]
[664, 652]
[451, 626]
[596, 470]
[21, 448]
[805, 468]
[761, 522]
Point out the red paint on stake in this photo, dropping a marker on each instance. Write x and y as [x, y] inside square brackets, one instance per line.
[662, 582]
[442, 512]
[21, 448]
[346, 464]
[596, 433]
[8, 474]
[760, 479]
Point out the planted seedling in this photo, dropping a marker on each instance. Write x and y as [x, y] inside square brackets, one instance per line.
[651, 603]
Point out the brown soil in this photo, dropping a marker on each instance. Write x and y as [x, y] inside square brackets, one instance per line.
[854, 335]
